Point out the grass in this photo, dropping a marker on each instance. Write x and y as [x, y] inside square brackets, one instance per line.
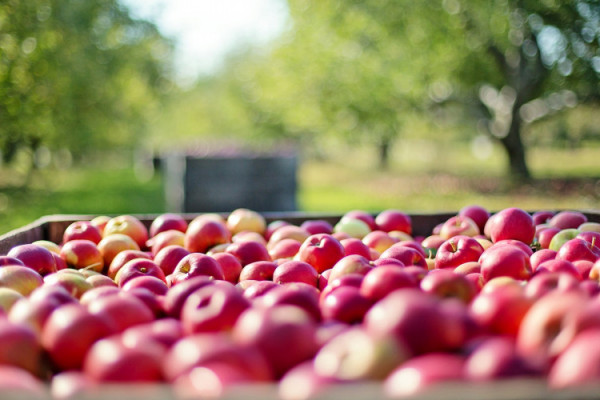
[420, 178]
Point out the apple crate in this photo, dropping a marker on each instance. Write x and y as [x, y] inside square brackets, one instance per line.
[52, 228]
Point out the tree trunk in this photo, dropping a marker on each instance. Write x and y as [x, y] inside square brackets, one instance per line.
[515, 150]
[383, 148]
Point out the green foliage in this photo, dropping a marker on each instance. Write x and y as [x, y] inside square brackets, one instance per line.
[76, 74]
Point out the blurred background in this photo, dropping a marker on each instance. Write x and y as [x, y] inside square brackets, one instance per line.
[107, 105]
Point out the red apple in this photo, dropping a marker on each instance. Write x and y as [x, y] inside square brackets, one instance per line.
[424, 372]
[314, 226]
[446, 283]
[562, 266]
[100, 222]
[296, 294]
[379, 240]
[17, 382]
[456, 251]
[541, 284]
[540, 256]
[196, 264]
[382, 280]
[258, 288]
[136, 268]
[295, 271]
[70, 331]
[35, 257]
[345, 304]
[512, 223]
[164, 239]
[407, 255]
[302, 381]
[459, 225]
[288, 232]
[230, 265]
[285, 248]
[123, 310]
[123, 258]
[285, 335]
[352, 264]
[321, 251]
[542, 217]
[506, 260]
[19, 347]
[20, 278]
[258, 271]
[567, 219]
[394, 220]
[149, 282]
[467, 268]
[204, 233]
[578, 249]
[71, 385]
[168, 221]
[248, 252]
[115, 243]
[82, 230]
[578, 364]
[72, 280]
[213, 308]
[168, 258]
[545, 236]
[477, 213]
[176, 296]
[82, 254]
[356, 246]
[127, 225]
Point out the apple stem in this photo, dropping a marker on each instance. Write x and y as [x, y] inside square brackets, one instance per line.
[593, 241]
[454, 247]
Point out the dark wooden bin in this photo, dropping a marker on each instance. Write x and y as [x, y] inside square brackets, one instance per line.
[52, 228]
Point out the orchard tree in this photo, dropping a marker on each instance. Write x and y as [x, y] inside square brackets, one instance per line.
[80, 75]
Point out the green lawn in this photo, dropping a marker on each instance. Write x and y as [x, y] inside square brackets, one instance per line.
[440, 180]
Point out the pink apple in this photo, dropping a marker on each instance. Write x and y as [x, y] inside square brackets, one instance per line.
[379, 240]
[285, 335]
[314, 226]
[321, 251]
[295, 271]
[356, 246]
[20, 278]
[35, 257]
[243, 219]
[100, 280]
[258, 288]
[168, 258]
[127, 225]
[407, 255]
[82, 230]
[150, 282]
[165, 332]
[100, 222]
[567, 219]
[394, 220]
[258, 271]
[230, 265]
[459, 225]
[20, 383]
[73, 281]
[585, 268]
[164, 239]
[506, 260]
[562, 266]
[512, 223]
[540, 256]
[123, 258]
[111, 245]
[82, 254]
[196, 264]
[578, 249]
[364, 216]
[578, 364]
[346, 304]
[168, 221]
[381, 281]
[542, 217]
[423, 373]
[273, 226]
[136, 268]
[352, 264]
[303, 380]
[541, 284]
[248, 252]
[467, 268]
[204, 233]
[477, 213]
[71, 385]
[19, 347]
[288, 232]
[123, 310]
[70, 331]
[176, 296]
[213, 308]
[285, 248]
[296, 294]
[545, 236]
[446, 283]
[456, 251]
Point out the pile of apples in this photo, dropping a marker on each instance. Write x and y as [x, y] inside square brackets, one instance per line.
[228, 301]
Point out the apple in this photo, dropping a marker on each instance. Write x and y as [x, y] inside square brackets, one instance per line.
[82, 254]
[303, 382]
[379, 240]
[136, 268]
[512, 223]
[567, 219]
[100, 280]
[212, 308]
[230, 265]
[321, 251]
[364, 216]
[545, 237]
[424, 373]
[459, 225]
[285, 335]
[273, 226]
[35, 257]
[356, 246]
[382, 280]
[149, 282]
[258, 271]
[164, 239]
[6, 260]
[249, 236]
[314, 226]
[542, 217]
[288, 232]
[168, 258]
[407, 255]
[415, 319]
[562, 237]
[165, 332]
[445, 283]
[100, 222]
[431, 244]
[196, 264]
[72, 280]
[123, 258]
[353, 227]
[505, 260]
[295, 271]
[258, 288]
[19, 383]
[514, 243]
[115, 243]
[110, 360]
[296, 294]
[476, 213]
[19, 347]
[127, 225]
[345, 304]
[585, 268]
[71, 385]
[176, 296]
[285, 248]
[242, 219]
[20, 278]
[82, 230]
[497, 357]
[589, 227]
[95, 293]
[394, 220]
[204, 233]
[166, 222]
[500, 311]
[70, 331]
[467, 268]
[562, 266]
[540, 256]
[53, 247]
[248, 252]
[577, 366]
[8, 298]
[352, 264]
[541, 284]
[578, 249]
[456, 251]
[123, 310]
